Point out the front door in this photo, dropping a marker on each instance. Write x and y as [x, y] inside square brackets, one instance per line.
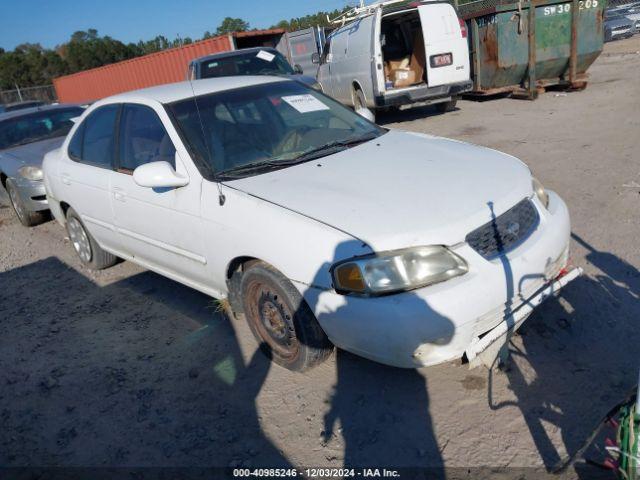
[160, 227]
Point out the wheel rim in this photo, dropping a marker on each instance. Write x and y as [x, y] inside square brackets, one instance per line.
[272, 318]
[79, 239]
[17, 203]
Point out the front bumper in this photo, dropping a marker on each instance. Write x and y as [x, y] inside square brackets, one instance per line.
[32, 193]
[421, 94]
[443, 322]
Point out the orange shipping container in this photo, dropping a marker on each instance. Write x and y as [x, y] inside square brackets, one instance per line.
[167, 66]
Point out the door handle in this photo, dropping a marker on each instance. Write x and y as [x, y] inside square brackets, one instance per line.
[118, 194]
[65, 178]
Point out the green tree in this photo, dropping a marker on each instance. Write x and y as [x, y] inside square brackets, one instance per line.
[230, 25]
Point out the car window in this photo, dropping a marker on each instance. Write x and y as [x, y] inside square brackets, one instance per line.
[37, 126]
[98, 131]
[75, 145]
[274, 122]
[261, 62]
[143, 138]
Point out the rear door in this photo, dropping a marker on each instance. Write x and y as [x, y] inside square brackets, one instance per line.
[446, 48]
[86, 171]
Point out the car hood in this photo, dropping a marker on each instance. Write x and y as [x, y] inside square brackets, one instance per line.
[399, 190]
[31, 153]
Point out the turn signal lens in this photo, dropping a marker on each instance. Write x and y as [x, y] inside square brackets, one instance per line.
[349, 278]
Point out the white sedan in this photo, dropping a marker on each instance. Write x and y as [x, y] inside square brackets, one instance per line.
[318, 226]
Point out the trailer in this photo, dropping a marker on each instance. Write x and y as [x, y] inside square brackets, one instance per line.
[524, 47]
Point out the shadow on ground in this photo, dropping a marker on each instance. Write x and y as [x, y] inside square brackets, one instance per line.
[140, 372]
[582, 351]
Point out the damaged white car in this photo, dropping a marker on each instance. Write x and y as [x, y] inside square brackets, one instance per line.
[320, 227]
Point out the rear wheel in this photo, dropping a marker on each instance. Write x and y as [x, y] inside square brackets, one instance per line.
[85, 245]
[358, 99]
[281, 320]
[26, 217]
[449, 106]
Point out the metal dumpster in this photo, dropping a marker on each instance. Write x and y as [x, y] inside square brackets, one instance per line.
[524, 47]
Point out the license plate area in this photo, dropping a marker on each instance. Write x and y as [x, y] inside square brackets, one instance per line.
[441, 60]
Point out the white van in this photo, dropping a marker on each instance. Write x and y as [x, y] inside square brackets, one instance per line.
[397, 55]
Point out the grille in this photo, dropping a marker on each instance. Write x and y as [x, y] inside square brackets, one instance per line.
[505, 232]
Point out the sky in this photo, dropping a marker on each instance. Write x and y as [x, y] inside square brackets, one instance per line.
[51, 22]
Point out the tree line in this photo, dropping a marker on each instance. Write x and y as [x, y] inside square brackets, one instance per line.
[30, 64]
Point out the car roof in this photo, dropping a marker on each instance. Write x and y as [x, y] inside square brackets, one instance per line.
[179, 91]
[41, 108]
[233, 53]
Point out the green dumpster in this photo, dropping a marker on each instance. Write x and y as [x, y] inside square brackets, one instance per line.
[514, 51]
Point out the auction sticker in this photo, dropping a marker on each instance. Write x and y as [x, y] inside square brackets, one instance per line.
[266, 56]
[305, 103]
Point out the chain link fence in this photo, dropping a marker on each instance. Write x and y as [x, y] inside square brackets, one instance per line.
[45, 93]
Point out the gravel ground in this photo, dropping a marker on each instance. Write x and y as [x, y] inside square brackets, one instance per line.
[127, 368]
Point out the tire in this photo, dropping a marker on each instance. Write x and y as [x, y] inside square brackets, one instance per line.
[26, 217]
[359, 101]
[449, 106]
[88, 250]
[280, 319]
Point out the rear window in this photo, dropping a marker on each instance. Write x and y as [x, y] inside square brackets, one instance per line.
[262, 62]
[37, 126]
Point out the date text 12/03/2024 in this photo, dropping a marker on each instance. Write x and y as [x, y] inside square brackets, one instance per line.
[316, 472]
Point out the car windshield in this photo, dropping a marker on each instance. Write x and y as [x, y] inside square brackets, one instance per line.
[34, 127]
[272, 125]
[261, 62]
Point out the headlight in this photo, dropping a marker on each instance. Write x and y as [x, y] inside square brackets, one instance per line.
[540, 192]
[397, 271]
[30, 173]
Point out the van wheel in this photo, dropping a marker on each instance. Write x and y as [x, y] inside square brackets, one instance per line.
[281, 320]
[449, 106]
[90, 253]
[26, 217]
[358, 99]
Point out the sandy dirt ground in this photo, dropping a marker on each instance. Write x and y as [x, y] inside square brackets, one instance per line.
[127, 368]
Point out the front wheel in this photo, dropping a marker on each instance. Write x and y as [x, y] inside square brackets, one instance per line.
[90, 253]
[26, 217]
[281, 320]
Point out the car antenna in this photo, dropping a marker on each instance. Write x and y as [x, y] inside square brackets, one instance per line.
[221, 197]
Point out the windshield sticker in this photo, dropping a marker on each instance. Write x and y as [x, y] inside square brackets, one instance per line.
[305, 103]
[263, 55]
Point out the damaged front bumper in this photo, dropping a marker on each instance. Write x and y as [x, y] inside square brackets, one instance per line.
[485, 349]
[464, 315]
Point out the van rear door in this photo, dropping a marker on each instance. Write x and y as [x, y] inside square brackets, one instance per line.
[447, 51]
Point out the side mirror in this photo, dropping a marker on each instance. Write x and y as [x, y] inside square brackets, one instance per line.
[298, 69]
[158, 175]
[315, 58]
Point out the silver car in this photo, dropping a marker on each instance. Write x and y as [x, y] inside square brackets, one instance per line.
[25, 137]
